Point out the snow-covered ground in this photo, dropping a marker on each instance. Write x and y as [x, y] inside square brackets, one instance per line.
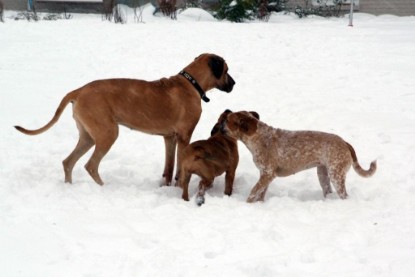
[297, 74]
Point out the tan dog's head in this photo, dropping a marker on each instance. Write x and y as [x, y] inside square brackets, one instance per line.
[219, 124]
[240, 124]
[217, 70]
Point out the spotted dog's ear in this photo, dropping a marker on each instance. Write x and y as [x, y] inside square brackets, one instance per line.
[244, 126]
[254, 114]
[216, 64]
[248, 125]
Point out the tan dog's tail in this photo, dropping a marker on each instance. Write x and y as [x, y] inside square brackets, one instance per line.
[70, 97]
[356, 166]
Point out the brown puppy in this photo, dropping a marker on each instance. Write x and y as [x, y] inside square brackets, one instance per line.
[170, 107]
[278, 152]
[209, 159]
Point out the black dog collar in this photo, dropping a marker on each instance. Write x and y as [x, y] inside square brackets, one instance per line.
[195, 84]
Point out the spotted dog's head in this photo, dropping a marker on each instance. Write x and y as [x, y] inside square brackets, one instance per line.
[240, 124]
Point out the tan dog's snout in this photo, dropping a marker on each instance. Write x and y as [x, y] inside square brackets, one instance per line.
[228, 85]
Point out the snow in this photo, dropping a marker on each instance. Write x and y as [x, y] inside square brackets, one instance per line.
[357, 82]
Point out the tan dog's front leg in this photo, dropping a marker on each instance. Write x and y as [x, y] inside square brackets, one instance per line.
[259, 190]
[182, 142]
[170, 143]
[184, 183]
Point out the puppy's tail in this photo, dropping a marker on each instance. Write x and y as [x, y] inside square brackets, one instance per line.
[70, 97]
[218, 158]
[356, 166]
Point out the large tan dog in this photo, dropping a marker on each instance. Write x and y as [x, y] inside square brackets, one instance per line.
[170, 107]
[208, 159]
[279, 153]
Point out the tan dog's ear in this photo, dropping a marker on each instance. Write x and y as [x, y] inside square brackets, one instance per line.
[254, 114]
[216, 64]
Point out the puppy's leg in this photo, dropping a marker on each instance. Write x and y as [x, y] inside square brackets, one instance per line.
[205, 184]
[104, 139]
[323, 177]
[84, 144]
[259, 190]
[170, 146]
[229, 178]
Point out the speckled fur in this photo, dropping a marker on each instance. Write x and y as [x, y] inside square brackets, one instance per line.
[280, 153]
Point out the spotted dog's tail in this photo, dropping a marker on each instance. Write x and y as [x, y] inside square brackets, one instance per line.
[356, 166]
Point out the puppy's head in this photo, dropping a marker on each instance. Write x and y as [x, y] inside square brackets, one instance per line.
[219, 124]
[240, 124]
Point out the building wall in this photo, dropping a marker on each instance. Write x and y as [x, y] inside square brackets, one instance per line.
[396, 7]
[17, 5]
[377, 7]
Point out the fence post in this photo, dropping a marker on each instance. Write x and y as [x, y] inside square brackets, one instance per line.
[351, 13]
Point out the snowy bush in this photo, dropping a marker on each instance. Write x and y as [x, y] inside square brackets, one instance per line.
[236, 10]
[325, 8]
[265, 7]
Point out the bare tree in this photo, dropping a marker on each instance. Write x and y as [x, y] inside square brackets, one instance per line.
[112, 10]
[1, 11]
[138, 6]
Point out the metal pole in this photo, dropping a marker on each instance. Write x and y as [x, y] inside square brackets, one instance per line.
[351, 13]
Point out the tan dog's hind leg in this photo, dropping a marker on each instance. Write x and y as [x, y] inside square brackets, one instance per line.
[170, 143]
[103, 143]
[259, 190]
[323, 177]
[84, 144]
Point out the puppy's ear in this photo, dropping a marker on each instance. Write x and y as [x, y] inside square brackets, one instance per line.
[227, 111]
[216, 64]
[254, 114]
[215, 129]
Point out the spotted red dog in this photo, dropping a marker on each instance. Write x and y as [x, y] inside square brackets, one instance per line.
[279, 153]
